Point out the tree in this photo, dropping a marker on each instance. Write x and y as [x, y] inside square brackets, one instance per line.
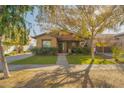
[18, 37]
[11, 17]
[63, 18]
[117, 50]
[85, 19]
[99, 18]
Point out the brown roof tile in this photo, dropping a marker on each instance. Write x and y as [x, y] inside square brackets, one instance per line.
[67, 38]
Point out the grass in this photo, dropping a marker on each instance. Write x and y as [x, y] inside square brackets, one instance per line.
[121, 59]
[86, 59]
[37, 60]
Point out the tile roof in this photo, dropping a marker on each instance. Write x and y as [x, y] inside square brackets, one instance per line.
[67, 38]
[120, 34]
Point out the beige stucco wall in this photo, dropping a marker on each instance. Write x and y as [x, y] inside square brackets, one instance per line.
[121, 41]
[46, 37]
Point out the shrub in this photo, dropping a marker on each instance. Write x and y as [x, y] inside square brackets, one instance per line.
[117, 52]
[7, 54]
[44, 51]
[80, 50]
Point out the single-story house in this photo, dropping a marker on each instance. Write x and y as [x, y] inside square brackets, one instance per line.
[63, 40]
[120, 39]
[107, 41]
[104, 42]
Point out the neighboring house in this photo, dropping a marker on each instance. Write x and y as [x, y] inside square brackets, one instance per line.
[104, 42]
[64, 41]
[120, 39]
[107, 41]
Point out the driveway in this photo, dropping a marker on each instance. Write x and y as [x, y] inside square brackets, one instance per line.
[17, 57]
[9, 59]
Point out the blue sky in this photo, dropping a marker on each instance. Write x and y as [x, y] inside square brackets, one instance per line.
[31, 18]
[35, 28]
[119, 30]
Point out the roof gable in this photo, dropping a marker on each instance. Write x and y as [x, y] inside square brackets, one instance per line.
[55, 34]
[61, 36]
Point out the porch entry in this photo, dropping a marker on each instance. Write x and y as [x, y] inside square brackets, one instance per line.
[62, 47]
[65, 46]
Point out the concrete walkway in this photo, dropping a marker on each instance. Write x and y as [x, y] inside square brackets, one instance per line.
[117, 67]
[9, 59]
[106, 54]
[13, 67]
[17, 57]
[61, 60]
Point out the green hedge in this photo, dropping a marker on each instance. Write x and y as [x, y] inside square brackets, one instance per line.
[44, 51]
[80, 50]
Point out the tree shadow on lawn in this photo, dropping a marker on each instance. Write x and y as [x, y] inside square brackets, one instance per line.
[120, 67]
[119, 64]
[64, 77]
[27, 66]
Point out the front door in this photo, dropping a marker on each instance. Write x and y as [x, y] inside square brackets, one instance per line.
[62, 47]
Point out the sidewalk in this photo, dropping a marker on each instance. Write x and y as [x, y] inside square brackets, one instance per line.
[71, 67]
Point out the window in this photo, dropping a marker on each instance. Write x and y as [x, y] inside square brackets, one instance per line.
[46, 43]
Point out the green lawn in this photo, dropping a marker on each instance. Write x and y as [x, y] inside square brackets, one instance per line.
[86, 59]
[37, 60]
[121, 59]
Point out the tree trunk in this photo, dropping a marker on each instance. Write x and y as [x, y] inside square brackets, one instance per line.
[103, 50]
[92, 49]
[19, 49]
[3, 61]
